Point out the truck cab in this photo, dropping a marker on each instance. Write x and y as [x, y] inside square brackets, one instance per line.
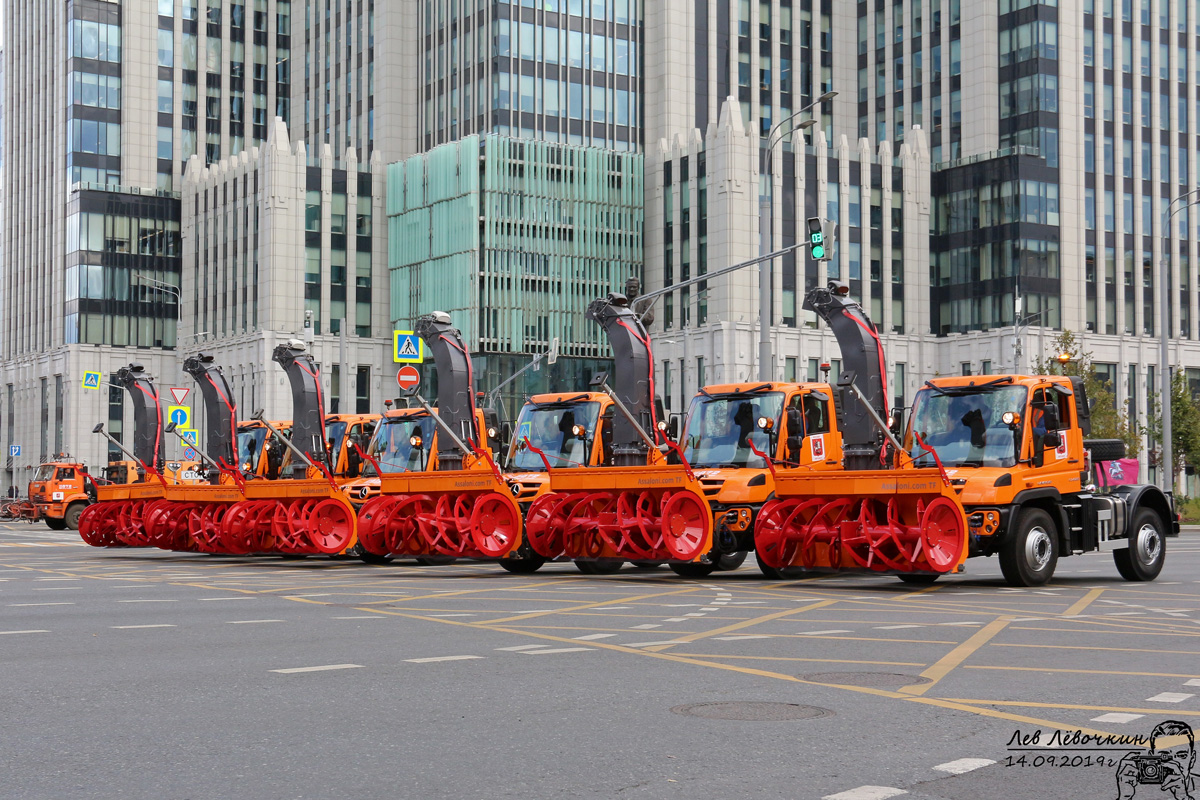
[572, 429]
[258, 453]
[58, 491]
[343, 432]
[792, 423]
[1015, 449]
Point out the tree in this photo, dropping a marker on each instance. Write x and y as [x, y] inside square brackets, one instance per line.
[1108, 420]
[1185, 423]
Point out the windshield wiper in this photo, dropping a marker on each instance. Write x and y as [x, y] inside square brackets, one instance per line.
[560, 403]
[765, 387]
[962, 391]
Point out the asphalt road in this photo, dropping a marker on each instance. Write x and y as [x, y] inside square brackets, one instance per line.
[144, 674]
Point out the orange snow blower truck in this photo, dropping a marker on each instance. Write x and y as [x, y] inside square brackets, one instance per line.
[880, 513]
[461, 509]
[641, 508]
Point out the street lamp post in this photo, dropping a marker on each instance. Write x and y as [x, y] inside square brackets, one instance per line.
[765, 369]
[164, 287]
[1164, 337]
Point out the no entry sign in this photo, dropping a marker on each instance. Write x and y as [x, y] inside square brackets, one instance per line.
[408, 377]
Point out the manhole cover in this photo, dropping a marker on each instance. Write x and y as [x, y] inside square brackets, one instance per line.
[874, 680]
[752, 711]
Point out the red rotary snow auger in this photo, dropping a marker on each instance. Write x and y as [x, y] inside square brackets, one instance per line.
[880, 514]
[463, 509]
[116, 518]
[641, 508]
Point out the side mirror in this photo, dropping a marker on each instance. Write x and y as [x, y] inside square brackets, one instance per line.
[673, 428]
[1052, 439]
[1050, 419]
[505, 433]
[897, 421]
[795, 426]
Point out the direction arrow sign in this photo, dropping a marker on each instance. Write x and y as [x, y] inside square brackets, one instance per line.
[180, 415]
[408, 377]
[14, 450]
[179, 394]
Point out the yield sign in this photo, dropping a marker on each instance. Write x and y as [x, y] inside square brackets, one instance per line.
[408, 377]
[179, 395]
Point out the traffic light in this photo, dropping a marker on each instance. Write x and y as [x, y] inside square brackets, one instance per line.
[820, 238]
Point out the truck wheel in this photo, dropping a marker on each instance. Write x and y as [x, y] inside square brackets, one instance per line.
[1147, 551]
[74, 512]
[731, 561]
[1030, 552]
[56, 523]
[522, 566]
[605, 566]
[787, 573]
[693, 570]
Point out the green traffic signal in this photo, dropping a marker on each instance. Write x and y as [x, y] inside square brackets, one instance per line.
[816, 238]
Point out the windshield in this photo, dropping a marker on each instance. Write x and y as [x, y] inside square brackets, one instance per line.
[249, 447]
[392, 446]
[967, 430]
[720, 429]
[334, 433]
[44, 472]
[549, 428]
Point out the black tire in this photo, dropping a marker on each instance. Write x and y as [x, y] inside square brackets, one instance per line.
[74, 512]
[436, 561]
[606, 566]
[917, 578]
[56, 523]
[1147, 551]
[522, 566]
[1029, 553]
[693, 570]
[731, 561]
[1105, 449]
[790, 573]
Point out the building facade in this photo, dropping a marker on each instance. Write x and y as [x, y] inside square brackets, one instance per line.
[704, 215]
[249, 223]
[513, 238]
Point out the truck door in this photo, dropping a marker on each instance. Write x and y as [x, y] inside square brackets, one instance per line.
[807, 428]
[1059, 460]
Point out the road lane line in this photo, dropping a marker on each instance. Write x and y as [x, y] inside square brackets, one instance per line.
[148, 601]
[440, 658]
[1169, 697]
[325, 668]
[250, 621]
[962, 766]
[645, 627]
[737, 626]
[820, 633]
[7, 633]
[1079, 605]
[521, 647]
[558, 650]
[28, 605]
[206, 599]
[1118, 718]
[364, 616]
[958, 655]
[867, 793]
[135, 627]
[591, 637]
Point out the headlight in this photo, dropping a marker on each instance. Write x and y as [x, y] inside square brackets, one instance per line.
[415, 441]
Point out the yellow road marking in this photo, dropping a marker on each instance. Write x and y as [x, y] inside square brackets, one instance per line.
[1068, 706]
[919, 592]
[1087, 671]
[958, 655]
[807, 660]
[1109, 649]
[747, 623]
[1079, 605]
[612, 602]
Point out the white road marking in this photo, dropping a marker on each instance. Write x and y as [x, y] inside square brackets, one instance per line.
[972, 624]
[1169, 697]
[439, 658]
[58, 579]
[819, 633]
[696, 614]
[228, 598]
[521, 647]
[55, 588]
[676, 619]
[323, 594]
[293, 670]
[743, 636]
[964, 765]
[755, 602]
[148, 601]
[557, 650]
[661, 641]
[250, 621]
[1192, 682]
[613, 608]
[135, 627]
[710, 609]
[1030, 619]
[593, 636]
[365, 616]
[645, 627]
[6, 633]
[895, 627]
[27, 605]
[866, 793]
[681, 605]
[1117, 717]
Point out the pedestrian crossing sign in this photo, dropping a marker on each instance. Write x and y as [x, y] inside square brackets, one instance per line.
[407, 348]
[91, 380]
[188, 434]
